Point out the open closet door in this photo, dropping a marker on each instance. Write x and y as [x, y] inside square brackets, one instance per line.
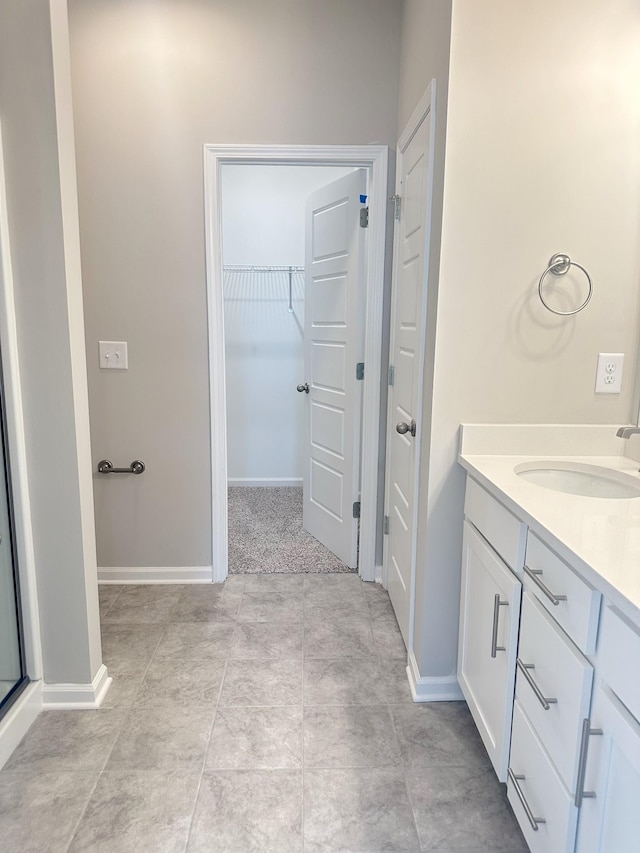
[334, 289]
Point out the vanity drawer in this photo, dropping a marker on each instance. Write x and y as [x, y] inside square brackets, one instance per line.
[539, 786]
[502, 529]
[619, 658]
[550, 668]
[550, 579]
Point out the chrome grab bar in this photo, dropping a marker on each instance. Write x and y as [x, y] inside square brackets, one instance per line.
[515, 779]
[545, 701]
[534, 575]
[106, 467]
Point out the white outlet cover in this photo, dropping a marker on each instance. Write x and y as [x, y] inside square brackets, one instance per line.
[113, 355]
[609, 372]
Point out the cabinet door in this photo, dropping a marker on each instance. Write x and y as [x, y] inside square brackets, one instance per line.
[610, 821]
[489, 615]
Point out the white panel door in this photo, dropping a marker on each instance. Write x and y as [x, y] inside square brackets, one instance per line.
[406, 356]
[334, 282]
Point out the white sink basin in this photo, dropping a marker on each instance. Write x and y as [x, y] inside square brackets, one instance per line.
[580, 478]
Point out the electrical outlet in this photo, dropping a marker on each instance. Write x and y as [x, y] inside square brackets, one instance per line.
[113, 355]
[609, 372]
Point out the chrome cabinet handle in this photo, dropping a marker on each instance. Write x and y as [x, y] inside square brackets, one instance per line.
[534, 575]
[582, 763]
[516, 779]
[497, 604]
[404, 428]
[302, 388]
[545, 701]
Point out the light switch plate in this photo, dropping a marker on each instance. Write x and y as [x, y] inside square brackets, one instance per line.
[113, 355]
[609, 372]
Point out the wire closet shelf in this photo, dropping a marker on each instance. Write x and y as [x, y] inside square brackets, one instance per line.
[252, 268]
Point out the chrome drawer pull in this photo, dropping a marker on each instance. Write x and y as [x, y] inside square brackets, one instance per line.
[497, 604]
[534, 821]
[534, 575]
[582, 763]
[545, 701]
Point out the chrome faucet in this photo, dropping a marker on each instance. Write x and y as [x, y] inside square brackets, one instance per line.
[626, 432]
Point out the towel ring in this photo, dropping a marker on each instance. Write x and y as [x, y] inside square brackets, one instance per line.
[560, 264]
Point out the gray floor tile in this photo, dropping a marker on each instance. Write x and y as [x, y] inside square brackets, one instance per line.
[40, 810]
[135, 812]
[256, 739]
[176, 683]
[162, 739]
[248, 812]
[353, 811]
[349, 736]
[130, 647]
[259, 640]
[107, 594]
[327, 583]
[274, 583]
[393, 684]
[388, 639]
[263, 682]
[68, 740]
[380, 607]
[196, 641]
[348, 638]
[438, 734]
[342, 681]
[122, 692]
[207, 603]
[461, 809]
[336, 604]
[143, 603]
[260, 606]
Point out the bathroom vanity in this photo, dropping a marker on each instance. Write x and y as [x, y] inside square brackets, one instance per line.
[549, 644]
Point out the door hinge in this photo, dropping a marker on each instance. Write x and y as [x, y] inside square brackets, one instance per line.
[392, 374]
[360, 370]
[385, 526]
[356, 509]
[364, 217]
[396, 199]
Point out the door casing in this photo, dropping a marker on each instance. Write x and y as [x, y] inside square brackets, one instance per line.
[375, 159]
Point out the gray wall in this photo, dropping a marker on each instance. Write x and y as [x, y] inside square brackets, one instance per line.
[542, 156]
[38, 150]
[153, 81]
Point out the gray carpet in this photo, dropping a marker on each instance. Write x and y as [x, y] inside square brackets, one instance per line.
[266, 534]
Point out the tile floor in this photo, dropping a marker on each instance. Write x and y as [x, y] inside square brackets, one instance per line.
[271, 715]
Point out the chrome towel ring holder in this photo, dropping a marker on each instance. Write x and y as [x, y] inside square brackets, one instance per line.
[560, 264]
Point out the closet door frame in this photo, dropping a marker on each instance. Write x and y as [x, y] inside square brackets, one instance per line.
[375, 159]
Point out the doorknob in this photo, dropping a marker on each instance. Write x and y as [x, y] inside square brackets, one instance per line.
[403, 428]
[304, 388]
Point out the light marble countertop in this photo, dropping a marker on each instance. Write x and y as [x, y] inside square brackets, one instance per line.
[598, 537]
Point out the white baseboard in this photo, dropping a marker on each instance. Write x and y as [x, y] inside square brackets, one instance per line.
[68, 697]
[19, 719]
[436, 689]
[266, 482]
[155, 574]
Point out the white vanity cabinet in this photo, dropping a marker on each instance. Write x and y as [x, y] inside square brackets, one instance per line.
[610, 808]
[490, 609]
[551, 673]
[610, 805]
